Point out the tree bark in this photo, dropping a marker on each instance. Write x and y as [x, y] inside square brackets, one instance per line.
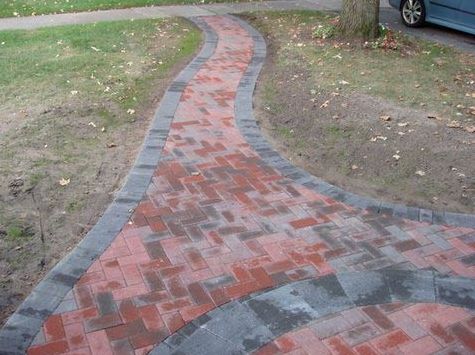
[360, 18]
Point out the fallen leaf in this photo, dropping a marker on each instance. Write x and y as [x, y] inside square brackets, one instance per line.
[454, 124]
[470, 129]
[420, 173]
[64, 182]
[385, 118]
[354, 167]
[111, 145]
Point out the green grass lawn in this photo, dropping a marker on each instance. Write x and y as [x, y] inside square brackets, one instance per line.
[105, 61]
[10, 8]
[421, 74]
[75, 103]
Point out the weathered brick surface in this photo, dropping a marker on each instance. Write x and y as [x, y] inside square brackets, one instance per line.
[218, 223]
[416, 330]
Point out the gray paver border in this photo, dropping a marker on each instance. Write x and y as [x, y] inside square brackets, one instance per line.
[247, 324]
[22, 327]
[249, 128]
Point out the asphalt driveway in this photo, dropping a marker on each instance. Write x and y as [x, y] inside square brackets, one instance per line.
[464, 41]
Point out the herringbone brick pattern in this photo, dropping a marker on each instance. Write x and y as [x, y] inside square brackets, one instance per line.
[217, 223]
[387, 329]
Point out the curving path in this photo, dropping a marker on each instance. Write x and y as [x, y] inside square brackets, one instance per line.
[222, 217]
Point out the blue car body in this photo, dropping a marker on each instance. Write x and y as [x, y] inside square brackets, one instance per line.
[456, 14]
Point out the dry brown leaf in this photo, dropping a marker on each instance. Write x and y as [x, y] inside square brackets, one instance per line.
[374, 139]
[64, 182]
[325, 104]
[470, 129]
[454, 124]
[385, 118]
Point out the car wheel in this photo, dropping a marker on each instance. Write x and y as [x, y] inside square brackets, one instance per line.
[413, 12]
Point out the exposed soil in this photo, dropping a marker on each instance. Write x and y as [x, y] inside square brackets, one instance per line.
[43, 220]
[339, 135]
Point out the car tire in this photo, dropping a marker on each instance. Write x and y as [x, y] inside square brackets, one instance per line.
[413, 12]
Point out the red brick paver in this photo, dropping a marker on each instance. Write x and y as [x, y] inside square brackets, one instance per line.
[408, 329]
[217, 223]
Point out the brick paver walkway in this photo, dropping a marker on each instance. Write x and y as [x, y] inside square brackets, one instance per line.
[217, 223]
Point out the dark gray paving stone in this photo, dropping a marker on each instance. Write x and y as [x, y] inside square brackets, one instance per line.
[9, 346]
[66, 306]
[203, 342]
[238, 324]
[410, 286]
[38, 305]
[457, 291]
[468, 260]
[18, 332]
[174, 340]
[365, 288]
[162, 349]
[282, 310]
[105, 303]
[325, 295]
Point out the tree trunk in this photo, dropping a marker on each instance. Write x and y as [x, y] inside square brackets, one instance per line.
[360, 18]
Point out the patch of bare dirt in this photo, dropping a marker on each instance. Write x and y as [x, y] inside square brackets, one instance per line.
[364, 144]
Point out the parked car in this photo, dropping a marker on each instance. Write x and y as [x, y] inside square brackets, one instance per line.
[456, 14]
